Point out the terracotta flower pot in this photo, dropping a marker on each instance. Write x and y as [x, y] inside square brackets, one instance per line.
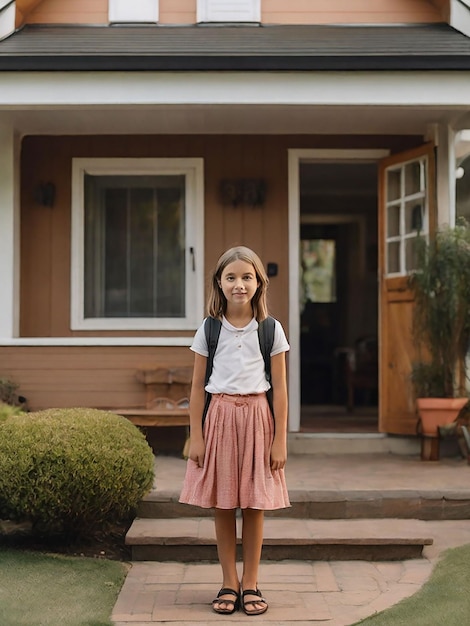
[435, 412]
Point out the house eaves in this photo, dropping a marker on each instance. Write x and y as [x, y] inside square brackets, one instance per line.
[431, 47]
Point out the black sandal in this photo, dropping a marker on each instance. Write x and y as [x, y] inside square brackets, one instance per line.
[226, 591]
[261, 600]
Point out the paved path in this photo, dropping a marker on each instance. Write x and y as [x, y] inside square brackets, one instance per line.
[337, 593]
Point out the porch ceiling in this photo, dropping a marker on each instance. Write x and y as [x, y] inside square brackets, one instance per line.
[232, 119]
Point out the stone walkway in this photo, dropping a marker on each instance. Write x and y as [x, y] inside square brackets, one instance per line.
[336, 593]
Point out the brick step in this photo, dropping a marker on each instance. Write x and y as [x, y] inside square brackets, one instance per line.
[193, 539]
[338, 504]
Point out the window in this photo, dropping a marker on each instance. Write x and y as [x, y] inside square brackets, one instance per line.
[133, 11]
[137, 244]
[228, 11]
[407, 214]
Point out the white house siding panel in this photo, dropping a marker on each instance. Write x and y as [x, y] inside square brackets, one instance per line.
[133, 11]
[229, 11]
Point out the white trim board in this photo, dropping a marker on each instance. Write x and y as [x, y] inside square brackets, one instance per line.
[96, 341]
[295, 157]
[46, 89]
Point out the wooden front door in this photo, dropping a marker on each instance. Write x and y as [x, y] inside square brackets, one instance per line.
[406, 210]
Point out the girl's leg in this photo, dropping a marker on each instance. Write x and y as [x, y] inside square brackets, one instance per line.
[226, 535]
[252, 543]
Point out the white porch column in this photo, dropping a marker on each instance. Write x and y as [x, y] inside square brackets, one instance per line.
[9, 232]
[444, 138]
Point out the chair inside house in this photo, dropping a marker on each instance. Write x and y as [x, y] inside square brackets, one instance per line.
[362, 371]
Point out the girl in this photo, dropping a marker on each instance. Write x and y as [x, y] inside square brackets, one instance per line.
[237, 458]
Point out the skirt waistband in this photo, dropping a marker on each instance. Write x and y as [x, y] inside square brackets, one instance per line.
[237, 395]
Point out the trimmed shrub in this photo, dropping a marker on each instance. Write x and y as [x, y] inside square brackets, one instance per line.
[6, 411]
[72, 471]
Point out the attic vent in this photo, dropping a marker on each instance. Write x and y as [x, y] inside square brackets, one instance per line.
[133, 11]
[228, 11]
[7, 18]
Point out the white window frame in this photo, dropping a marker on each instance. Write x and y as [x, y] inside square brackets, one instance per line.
[192, 169]
[237, 11]
[133, 11]
[403, 237]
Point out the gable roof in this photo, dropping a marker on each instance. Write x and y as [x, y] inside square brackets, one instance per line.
[236, 48]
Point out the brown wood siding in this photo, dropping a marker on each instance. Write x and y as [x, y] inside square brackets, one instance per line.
[105, 376]
[272, 12]
[70, 12]
[93, 376]
[352, 12]
[45, 232]
[177, 12]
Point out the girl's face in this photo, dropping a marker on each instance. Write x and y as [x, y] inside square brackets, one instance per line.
[239, 283]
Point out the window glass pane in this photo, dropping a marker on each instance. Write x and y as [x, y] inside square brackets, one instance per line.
[393, 220]
[141, 252]
[413, 177]
[411, 253]
[393, 257]
[134, 246]
[112, 260]
[414, 216]
[170, 243]
[393, 185]
[318, 259]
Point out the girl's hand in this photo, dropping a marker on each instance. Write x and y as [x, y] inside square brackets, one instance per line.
[278, 455]
[197, 451]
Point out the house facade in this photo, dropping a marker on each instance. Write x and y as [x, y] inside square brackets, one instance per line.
[139, 140]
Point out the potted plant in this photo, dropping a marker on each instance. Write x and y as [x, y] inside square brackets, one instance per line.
[441, 326]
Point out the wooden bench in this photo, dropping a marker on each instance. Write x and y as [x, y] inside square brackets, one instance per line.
[166, 398]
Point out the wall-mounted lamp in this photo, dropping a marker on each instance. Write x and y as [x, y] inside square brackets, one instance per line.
[45, 194]
[243, 191]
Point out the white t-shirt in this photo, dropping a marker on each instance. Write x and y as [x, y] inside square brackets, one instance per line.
[238, 363]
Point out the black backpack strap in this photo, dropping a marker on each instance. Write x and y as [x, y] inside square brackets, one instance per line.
[212, 328]
[266, 341]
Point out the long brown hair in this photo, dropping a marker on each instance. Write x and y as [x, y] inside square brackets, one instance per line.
[217, 303]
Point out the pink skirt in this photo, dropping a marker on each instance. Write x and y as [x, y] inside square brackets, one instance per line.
[238, 433]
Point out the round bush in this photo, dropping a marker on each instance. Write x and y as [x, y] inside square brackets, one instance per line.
[72, 470]
[7, 410]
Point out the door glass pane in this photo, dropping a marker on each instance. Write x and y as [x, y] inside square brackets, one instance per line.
[393, 257]
[414, 216]
[393, 221]
[406, 214]
[393, 184]
[134, 246]
[413, 177]
[411, 253]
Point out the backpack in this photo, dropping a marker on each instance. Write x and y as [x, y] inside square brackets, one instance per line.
[212, 328]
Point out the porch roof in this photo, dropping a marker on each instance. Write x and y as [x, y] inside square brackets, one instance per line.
[236, 48]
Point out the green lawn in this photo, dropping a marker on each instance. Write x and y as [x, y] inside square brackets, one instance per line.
[52, 590]
[443, 600]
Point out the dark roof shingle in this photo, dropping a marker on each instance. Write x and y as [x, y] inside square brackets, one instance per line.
[244, 48]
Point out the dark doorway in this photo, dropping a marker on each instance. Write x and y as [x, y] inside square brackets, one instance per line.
[339, 295]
